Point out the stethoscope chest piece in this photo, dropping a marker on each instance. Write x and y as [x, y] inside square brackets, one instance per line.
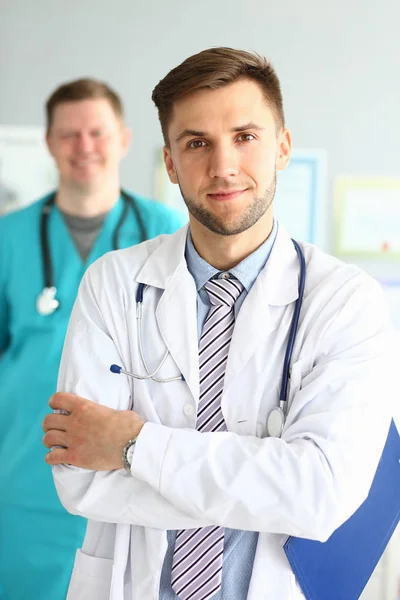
[276, 420]
[46, 302]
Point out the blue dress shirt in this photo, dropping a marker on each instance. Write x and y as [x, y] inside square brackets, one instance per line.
[239, 546]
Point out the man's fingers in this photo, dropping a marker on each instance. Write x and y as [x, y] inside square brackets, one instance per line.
[55, 421]
[64, 401]
[54, 438]
[58, 456]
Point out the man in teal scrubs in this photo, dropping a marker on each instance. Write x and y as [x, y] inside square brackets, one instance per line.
[87, 216]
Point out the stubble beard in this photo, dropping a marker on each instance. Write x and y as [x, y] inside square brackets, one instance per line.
[250, 217]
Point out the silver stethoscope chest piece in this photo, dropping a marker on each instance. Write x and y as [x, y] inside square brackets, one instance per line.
[276, 421]
[46, 302]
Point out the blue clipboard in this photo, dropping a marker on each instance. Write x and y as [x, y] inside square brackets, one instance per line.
[340, 568]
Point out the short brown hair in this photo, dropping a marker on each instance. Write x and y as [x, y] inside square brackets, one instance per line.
[82, 89]
[214, 68]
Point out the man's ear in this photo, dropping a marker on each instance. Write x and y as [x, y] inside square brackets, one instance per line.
[284, 149]
[169, 165]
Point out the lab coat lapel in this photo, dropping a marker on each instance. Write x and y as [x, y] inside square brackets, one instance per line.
[276, 286]
[177, 319]
[176, 312]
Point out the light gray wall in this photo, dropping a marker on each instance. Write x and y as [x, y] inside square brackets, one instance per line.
[339, 64]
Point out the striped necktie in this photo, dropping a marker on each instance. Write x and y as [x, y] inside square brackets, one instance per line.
[197, 561]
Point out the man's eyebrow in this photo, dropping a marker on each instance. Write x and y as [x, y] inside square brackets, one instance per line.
[64, 129]
[190, 133]
[247, 126]
[197, 133]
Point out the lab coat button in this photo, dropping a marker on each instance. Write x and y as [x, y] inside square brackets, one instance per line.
[188, 410]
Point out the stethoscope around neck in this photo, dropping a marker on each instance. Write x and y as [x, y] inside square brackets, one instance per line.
[47, 303]
[277, 416]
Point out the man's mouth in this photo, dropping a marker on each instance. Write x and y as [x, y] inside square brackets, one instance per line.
[225, 195]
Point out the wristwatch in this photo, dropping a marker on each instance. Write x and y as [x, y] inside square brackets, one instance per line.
[128, 454]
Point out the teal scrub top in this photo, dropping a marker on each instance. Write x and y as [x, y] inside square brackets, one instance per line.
[38, 537]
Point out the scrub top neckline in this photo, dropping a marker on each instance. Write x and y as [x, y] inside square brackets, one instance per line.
[108, 226]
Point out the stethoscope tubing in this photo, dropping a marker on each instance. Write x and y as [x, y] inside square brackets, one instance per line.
[294, 325]
[141, 351]
[48, 275]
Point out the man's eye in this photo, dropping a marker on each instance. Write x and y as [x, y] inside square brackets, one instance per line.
[245, 137]
[97, 133]
[197, 144]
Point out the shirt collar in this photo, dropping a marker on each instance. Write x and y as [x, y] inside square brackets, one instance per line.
[246, 271]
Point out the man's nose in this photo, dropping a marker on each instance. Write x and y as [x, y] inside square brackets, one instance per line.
[84, 143]
[224, 161]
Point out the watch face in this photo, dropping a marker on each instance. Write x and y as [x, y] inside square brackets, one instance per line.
[129, 454]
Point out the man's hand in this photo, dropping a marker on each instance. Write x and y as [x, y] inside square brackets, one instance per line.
[93, 436]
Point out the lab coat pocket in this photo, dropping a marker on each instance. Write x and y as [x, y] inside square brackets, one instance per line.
[271, 399]
[91, 578]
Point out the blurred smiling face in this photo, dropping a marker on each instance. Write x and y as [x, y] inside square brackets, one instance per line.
[224, 150]
[87, 140]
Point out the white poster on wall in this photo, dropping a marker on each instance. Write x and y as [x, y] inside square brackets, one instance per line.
[27, 170]
[368, 217]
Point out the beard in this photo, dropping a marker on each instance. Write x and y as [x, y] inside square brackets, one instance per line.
[253, 213]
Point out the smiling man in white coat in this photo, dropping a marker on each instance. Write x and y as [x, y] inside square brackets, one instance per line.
[188, 493]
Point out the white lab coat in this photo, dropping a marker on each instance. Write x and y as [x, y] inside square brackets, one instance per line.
[306, 484]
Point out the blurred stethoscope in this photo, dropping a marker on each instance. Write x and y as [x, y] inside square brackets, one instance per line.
[47, 302]
[277, 416]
